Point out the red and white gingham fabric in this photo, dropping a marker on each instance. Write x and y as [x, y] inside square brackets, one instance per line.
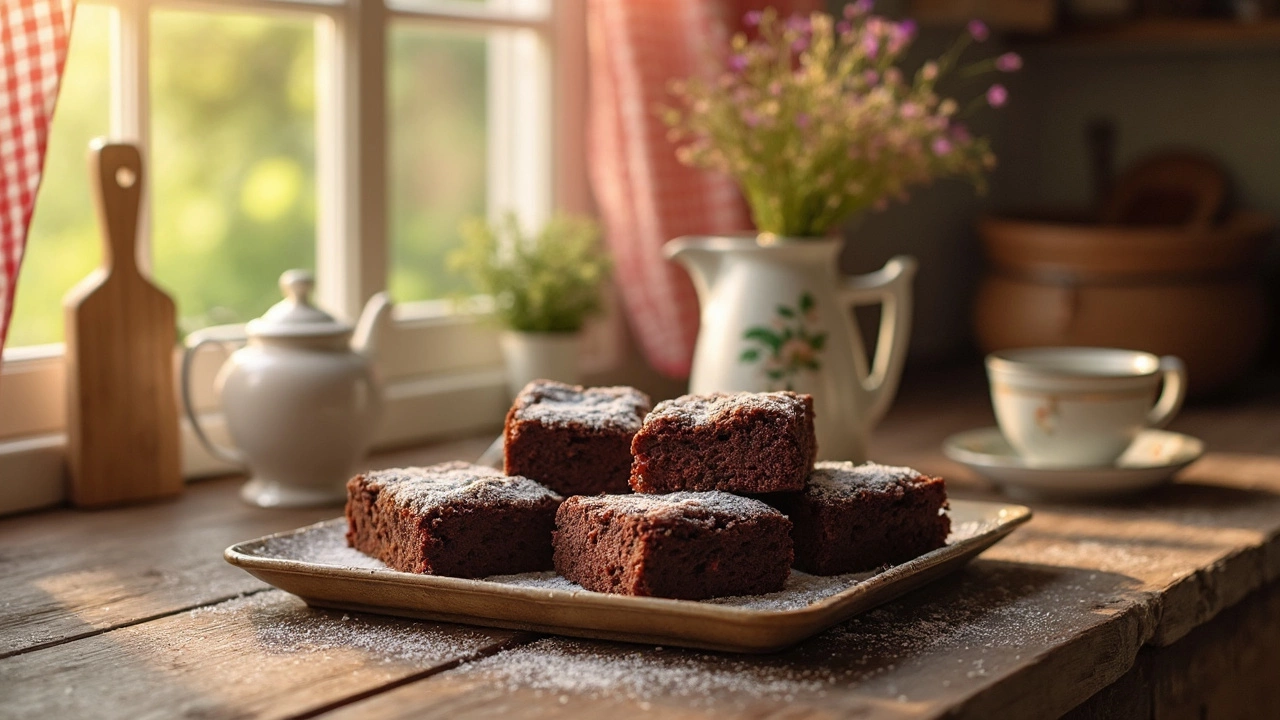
[645, 196]
[33, 50]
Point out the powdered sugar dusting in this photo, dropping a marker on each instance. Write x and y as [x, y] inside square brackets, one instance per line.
[843, 479]
[713, 408]
[421, 488]
[601, 671]
[285, 625]
[618, 408]
[322, 544]
[949, 637]
[680, 504]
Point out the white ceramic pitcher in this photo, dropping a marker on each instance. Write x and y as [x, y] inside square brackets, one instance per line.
[777, 315]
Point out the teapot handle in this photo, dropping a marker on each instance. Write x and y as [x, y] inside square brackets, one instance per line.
[891, 287]
[194, 342]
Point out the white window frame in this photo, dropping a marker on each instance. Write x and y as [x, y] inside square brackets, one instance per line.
[442, 369]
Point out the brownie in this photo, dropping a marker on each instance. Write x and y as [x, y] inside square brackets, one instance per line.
[744, 443]
[682, 545]
[851, 518]
[574, 440]
[453, 519]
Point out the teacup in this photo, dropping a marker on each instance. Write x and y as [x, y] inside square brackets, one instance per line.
[1081, 406]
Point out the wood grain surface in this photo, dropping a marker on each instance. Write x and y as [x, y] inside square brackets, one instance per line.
[266, 655]
[69, 574]
[1163, 606]
[122, 412]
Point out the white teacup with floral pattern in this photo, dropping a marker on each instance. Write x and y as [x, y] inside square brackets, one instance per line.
[1081, 406]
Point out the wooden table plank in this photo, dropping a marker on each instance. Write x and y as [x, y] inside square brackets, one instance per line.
[946, 648]
[266, 655]
[70, 573]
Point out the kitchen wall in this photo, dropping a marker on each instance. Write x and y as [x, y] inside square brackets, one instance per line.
[1224, 100]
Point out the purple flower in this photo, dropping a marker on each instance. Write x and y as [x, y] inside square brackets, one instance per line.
[738, 63]
[844, 27]
[997, 95]
[802, 120]
[800, 44]
[871, 77]
[751, 118]
[1009, 62]
[901, 35]
[941, 146]
[798, 23]
[978, 30]
[960, 133]
[752, 18]
[861, 7]
[871, 46]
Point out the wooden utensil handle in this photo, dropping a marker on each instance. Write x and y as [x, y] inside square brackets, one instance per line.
[117, 171]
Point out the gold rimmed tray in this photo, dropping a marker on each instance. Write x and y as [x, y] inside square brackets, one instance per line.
[315, 564]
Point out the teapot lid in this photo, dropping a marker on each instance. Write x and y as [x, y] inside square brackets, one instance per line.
[295, 316]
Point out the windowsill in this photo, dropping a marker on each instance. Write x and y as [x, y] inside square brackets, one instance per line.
[416, 410]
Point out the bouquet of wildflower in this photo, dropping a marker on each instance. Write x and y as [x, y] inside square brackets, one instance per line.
[550, 282]
[815, 121]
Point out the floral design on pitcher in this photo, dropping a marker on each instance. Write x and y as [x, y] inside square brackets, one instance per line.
[1046, 416]
[788, 347]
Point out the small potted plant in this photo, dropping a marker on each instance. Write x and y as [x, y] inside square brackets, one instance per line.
[544, 287]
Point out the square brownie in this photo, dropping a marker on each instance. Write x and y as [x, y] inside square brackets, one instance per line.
[454, 519]
[852, 518]
[574, 440]
[682, 545]
[742, 443]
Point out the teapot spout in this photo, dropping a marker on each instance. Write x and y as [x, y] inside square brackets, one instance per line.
[369, 328]
[699, 258]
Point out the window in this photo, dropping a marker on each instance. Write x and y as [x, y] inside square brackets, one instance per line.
[343, 135]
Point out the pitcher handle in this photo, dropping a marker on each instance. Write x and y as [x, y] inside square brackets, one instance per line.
[194, 342]
[1174, 392]
[891, 287]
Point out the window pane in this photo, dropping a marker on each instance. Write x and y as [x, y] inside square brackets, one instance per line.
[438, 153]
[63, 244]
[233, 156]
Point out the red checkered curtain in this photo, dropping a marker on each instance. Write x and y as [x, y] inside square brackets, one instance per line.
[645, 196]
[33, 50]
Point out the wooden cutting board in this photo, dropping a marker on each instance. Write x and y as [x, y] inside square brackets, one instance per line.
[122, 412]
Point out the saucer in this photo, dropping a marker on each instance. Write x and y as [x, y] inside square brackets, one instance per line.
[1152, 459]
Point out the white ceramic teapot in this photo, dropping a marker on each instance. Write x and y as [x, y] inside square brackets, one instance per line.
[300, 399]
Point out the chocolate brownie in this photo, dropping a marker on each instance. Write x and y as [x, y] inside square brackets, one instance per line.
[682, 545]
[743, 443]
[852, 518]
[574, 440]
[453, 519]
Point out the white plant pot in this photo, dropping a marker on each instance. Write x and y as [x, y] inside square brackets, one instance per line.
[539, 356]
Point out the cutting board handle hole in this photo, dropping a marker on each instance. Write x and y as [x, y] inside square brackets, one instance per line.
[126, 177]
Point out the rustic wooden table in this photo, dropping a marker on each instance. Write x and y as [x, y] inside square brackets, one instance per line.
[1163, 606]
